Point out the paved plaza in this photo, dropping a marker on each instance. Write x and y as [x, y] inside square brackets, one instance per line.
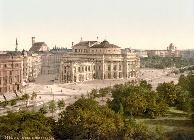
[47, 89]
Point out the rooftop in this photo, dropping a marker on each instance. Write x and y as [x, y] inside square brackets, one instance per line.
[105, 44]
[37, 46]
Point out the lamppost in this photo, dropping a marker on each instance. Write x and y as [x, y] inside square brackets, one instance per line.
[52, 93]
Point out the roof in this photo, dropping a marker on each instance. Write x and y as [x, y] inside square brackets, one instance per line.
[105, 44]
[37, 46]
[85, 43]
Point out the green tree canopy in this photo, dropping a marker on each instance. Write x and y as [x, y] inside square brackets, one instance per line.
[26, 124]
[137, 100]
[85, 119]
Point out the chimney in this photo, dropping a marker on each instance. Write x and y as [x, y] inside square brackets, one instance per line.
[72, 43]
[33, 40]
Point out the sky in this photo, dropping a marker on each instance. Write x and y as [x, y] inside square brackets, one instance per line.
[138, 24]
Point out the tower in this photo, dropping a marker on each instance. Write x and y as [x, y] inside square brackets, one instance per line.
[33, 40]
[16, 45]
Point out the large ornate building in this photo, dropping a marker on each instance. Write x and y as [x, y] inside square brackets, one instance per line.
[94, 60]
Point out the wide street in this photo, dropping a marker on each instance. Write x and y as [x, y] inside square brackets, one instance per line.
[47, 90]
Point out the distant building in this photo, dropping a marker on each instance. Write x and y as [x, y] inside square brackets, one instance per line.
[171, 51]
[187, 53]
[97, 60]
[38, 46]
[51, 61]
[140, 53]
[60, 50]
[31, 66]
[11, 73]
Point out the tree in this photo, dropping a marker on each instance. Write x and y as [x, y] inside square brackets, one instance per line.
[52, 106]
[176, 95]
[26, 124]
[34, 95]
[43, 109]
[61, 104]
[85, 119]
[93, 93]
[25, 97]
[168, 92]
[137, 100]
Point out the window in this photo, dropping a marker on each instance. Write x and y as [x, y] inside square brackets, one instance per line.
[119, 67]
[79, 69]
[120, 75]
[109, 76]
[75, 50]
[115, 67]
[85, 68]
[109, 67]
[115, 75]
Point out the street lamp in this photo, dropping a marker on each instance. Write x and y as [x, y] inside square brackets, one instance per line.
[52, 93]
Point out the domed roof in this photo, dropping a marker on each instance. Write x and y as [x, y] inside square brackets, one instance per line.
[105, 44]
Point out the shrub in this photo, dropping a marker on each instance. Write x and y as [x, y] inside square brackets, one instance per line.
[13, 102]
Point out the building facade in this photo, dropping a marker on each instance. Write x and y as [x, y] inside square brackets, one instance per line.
[188, 54]
[11, 73]
[31, 66]
[51, 63]
[97, 60]
[38, 46]
[171, 51]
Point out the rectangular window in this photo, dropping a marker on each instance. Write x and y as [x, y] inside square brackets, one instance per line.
[109, 67]
[119, 67]
[115, 67]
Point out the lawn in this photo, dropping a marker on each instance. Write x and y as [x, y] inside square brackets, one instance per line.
[176, 125]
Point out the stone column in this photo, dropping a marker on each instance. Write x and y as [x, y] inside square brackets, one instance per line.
[102, 76]
[111, 70]
[117, 70]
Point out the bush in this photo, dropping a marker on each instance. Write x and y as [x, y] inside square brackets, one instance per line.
[13, 102]
[61, 104]
[43, 109]
[4, 103]
[192, 117]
